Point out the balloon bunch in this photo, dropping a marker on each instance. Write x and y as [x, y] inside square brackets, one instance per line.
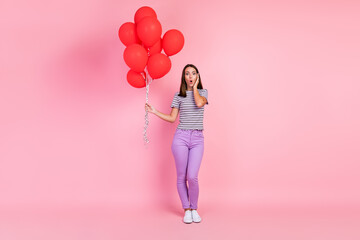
[143, 52]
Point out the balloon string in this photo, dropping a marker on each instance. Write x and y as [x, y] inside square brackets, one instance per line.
[148, 80]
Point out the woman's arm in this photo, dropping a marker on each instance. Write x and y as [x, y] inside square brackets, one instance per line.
[199, 100]
[170, 118]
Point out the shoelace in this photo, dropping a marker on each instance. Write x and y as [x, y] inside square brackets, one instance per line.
[188, 215]
[195, 213]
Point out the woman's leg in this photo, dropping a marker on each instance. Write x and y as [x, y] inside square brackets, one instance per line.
[195, 156]
[180, 151]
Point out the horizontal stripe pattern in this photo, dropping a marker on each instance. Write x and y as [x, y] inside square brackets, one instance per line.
[191, 116]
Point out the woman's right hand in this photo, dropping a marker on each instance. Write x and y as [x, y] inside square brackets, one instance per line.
[149, 108]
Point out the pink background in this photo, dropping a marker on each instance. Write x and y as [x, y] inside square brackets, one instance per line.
[281, 128]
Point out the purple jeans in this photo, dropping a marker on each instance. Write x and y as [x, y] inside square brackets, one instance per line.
[188, 148]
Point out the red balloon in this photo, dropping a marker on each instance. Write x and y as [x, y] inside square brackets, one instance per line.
[158, 65]
[136, 57]
[149, 31]
[127, 34]
[156, 48]
[173, 42]
[144, 12]
[135, 79]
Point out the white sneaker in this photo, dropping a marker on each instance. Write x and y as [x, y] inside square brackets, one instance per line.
[195, 216]
[187, 217]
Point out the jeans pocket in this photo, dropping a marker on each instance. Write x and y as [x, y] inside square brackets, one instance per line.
[199, 134]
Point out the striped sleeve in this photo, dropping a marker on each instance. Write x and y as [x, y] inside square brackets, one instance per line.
[204, 93]
[176, 101]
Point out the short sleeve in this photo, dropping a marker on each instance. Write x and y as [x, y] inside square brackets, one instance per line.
[204, 93]
[176, 101]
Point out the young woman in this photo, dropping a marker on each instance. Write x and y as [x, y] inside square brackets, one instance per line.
[188, 142]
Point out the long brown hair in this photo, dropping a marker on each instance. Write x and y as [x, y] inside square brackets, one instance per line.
[183, 85]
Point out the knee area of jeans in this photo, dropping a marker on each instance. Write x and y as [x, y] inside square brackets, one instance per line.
[181, 180]
[192, 179]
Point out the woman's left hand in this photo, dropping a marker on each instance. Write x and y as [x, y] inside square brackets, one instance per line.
[197, 80]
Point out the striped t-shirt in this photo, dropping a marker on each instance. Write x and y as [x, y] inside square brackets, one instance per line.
[191, 116]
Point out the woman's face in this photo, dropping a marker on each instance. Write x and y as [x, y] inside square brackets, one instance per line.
[190, 76]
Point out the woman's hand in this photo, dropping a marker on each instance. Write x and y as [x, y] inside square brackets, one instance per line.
[149, 108]
[197, 81]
